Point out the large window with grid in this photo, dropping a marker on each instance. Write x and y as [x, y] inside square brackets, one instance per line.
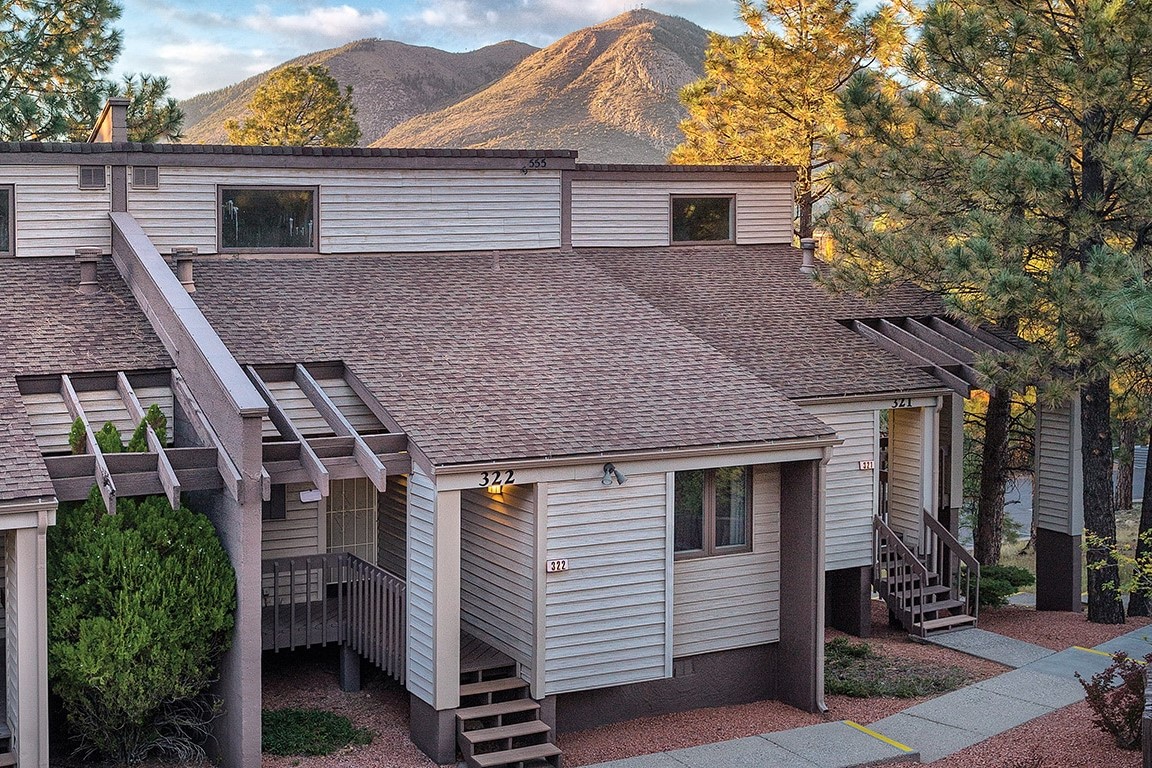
[352, 518]
[713, 511]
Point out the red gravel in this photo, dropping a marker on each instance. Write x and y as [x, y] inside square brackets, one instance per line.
[1063, 739]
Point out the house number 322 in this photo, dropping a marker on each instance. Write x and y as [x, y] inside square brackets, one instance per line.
[498, 477]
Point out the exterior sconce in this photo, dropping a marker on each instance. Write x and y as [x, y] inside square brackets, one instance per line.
[610, 472]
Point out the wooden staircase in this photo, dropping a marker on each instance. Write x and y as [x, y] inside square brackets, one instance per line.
[498, 724]
[935, 590]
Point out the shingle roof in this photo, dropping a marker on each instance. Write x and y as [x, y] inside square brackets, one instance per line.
[49, 328]
[753, 304]
[490, 356]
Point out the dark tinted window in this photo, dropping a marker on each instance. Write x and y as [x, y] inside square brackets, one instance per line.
[267, 218]
[701, 219]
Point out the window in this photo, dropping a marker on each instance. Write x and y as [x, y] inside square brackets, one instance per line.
[276, 508]
[352, 518]
[92, 177]
[145, 177]
[7, 221]
[701, 219]
[267, 218]
[713, 511]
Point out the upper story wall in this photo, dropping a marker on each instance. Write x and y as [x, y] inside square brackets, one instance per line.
[53, 215]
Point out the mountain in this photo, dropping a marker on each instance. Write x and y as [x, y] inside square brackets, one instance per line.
[391, 82]
[610, 91]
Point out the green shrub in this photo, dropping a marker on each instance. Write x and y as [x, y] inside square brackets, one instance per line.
[140, 608]
[308, 732]
[78, 437]
[155, 418]
[999, 582]
[1118, 708]
[855, 669]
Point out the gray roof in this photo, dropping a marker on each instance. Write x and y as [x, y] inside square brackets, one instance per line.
[490, 356]
[49, 328]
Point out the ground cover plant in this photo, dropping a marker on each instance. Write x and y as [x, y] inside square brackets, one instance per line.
[308, 732]
[999, 582]
[857, 670]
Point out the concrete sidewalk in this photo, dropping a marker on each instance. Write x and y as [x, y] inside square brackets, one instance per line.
[1042, 681]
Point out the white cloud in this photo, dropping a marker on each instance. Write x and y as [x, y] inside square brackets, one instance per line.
[196, 67]
[341, 22]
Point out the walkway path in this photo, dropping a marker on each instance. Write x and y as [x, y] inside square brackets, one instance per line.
[1040, 682]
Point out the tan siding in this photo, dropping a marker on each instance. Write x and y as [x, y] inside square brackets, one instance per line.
[850, 492]
[629, 214]
[497, 560]
[605, 617]
[358, 414]
[51, 422]
[370, 211]
[421, 572]
[299, 408]
[905, 495]
[392, 528]
[54, 216]
[298, 533]
[733, 601]
[1058, 499]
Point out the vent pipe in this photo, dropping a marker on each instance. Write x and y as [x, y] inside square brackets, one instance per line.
[808, 254]
[88, 259]
[184, 255]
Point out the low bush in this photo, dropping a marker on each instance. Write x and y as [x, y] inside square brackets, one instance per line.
[308, 732]
[1118, 708]
[855, 669]
[999, 582]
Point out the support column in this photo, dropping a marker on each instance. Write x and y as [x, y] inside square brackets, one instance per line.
[349, 669]
[27, 641]
[801, 661]
[952, 462]
[1058, 507]
[929, 461]
[1058, 580]
[849, 600]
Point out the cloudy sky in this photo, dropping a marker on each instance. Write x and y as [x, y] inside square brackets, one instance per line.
[201, 45]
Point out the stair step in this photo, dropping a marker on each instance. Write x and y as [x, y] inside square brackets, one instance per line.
[492, 686]
[497, 709]
[514, 731]
[518, 755]
[939, 605]
[945, 623]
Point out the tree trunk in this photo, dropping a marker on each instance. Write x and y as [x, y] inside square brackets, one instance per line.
[1125, 464]
[804, 204]
[989, 534]
[1140, 601]
[1104, 606]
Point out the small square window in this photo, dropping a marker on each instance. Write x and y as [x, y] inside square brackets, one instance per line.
[7, 221]
[92, 177]
[145, 177]
[268, 218]
[702, 219]
[713, 511]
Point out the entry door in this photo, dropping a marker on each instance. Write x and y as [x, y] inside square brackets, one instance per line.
[352, 514]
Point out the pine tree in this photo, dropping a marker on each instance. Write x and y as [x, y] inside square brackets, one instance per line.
[770, 95]
[298, 106]
[1008, 171]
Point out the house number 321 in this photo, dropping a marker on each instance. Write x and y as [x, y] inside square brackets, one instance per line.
[498, 477]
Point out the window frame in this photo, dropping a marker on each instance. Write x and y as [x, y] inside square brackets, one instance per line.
[146, 169]
[11, 249]
[672, 198]
[708, 517]
[92, 187]
[312, 188]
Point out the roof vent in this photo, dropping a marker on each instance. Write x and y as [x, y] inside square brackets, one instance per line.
[88, 259]
[184, 254]
[808, 254]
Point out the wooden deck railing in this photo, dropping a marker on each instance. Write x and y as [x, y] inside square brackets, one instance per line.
[336, 598]
[896, 571]
[956, 565]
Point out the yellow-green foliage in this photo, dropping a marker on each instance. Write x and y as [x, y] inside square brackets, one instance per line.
[298, 106]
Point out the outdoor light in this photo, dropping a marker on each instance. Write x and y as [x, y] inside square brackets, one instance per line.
[610, 472]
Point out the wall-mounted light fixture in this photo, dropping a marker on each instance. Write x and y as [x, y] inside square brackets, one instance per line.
[610, 472]
[495, 490]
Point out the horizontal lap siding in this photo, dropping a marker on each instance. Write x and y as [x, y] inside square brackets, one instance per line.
[605, 616]
[421, 611]
[1056, 503]
[54, 216]
[358, 414]
[905, 511]
[850, 500]
[52, 423]
[298, 408]
[630, 214]
[370, 211]
[392, 528]
[497, 563]
[298, 533]
[733, 601]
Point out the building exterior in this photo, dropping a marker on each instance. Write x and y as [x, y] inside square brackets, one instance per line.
[555, 439]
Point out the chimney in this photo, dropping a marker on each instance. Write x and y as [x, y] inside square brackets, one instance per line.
[88, 259]
[808, 254]
[184, 254]
[112, 125]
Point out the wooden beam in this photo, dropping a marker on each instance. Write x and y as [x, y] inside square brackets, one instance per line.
[103, 477]
[890, 344]
[338, 423]
[312, 464]
[953, 348]
[164, 468]
[228, 471]
[963, 336]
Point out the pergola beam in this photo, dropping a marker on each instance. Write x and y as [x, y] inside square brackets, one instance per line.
[199, 423]
[103, 476]
[164, 469]
[367, 459]
[317, 473]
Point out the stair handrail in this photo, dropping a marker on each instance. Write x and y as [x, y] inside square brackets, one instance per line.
[906, 555]
[956, 549]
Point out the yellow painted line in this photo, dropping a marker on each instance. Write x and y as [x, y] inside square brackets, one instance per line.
[1104, 653]
[882, 737]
